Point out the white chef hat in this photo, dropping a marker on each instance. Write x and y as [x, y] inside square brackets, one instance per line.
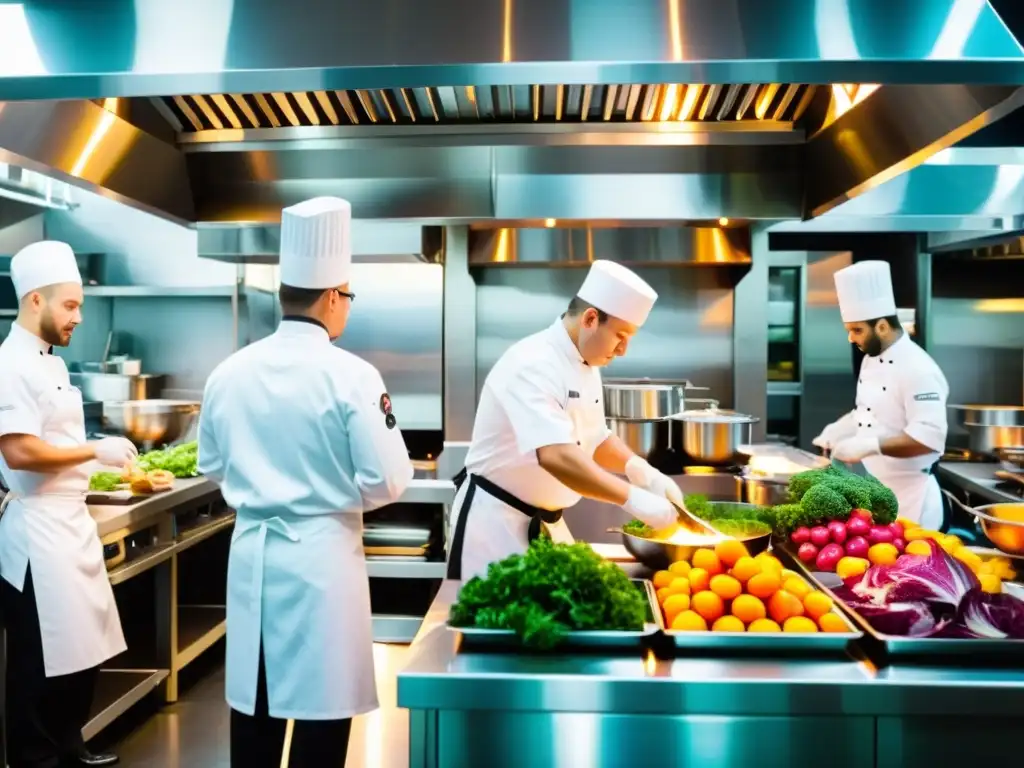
[865, 291]
[48, 262]
[316, 244]
[618, 291]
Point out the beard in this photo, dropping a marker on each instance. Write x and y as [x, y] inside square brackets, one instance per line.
[51, 334]
[872, 346]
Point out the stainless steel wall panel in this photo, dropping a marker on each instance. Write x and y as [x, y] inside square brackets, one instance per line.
[460, 338]
[749, 363]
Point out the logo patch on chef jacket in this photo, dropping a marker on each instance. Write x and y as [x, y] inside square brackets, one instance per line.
[574, 394]
[925, 397]
[385, 408]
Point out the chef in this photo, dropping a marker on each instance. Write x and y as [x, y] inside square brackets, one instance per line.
[898, 427]
[303, 439]
[540, 441]
[59, 609]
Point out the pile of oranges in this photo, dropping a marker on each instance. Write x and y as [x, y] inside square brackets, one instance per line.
[726, 590]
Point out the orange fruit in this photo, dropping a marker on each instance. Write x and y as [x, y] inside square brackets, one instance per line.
[675, 605]
[883, 554]
[748, 608]
[800, 624]
[796, 586]
[680, 585]
[989, 583]
[708, 560]
[708, 604]
[680, 568]
[764, 625]
[689, 621]
[745, 568]
[664, 593]
[919, 548]
[783, 605]
[832, 622]
[769, 562]
[851, 566]
[764, 584]
[726, 587]
[729, 551]
[817, 604]
[663, 579]
[699, 580]
[728, 624]
[788, 574]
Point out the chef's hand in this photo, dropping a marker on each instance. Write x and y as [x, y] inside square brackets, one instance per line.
[643, 474]
[854, 449]
[650, 508]
[115, 451]
[835, 433]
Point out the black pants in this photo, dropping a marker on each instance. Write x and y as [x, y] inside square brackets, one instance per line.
[258, 741]
[44, 715]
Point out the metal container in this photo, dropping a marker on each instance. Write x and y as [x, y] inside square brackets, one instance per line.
[1002, 523]
[988, 439]
[714, 436]
[658, 555]
[110, 387]
[989, 415]
[645, 398]
[149, 423]
[765, 493]
[122, 366]
[643, 436]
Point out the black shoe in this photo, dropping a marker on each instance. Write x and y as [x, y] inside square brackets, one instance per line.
[85, 757]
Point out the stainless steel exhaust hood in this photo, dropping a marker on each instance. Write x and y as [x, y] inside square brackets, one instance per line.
[546, 108]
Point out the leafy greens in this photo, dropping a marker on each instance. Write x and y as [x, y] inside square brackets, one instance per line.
[181, 461]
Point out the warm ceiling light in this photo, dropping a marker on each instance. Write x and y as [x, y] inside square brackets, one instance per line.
[723, 222]
[549, 223]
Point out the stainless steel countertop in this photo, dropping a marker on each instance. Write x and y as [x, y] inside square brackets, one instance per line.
[438, 677]
[977, 478]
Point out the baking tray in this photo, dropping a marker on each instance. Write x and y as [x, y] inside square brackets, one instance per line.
[403, 536]
[883, 648]
[806, 643]
[582, 641]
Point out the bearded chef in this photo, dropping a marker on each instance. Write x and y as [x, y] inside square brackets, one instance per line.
[898, 428]
[59, 609]
[540, 441]
[302, 438]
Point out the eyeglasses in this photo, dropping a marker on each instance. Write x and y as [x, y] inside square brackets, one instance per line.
[345, 294]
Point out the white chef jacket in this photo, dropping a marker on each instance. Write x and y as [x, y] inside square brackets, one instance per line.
[46, 523]
[539, 393]
[297, 433]
[903, 390]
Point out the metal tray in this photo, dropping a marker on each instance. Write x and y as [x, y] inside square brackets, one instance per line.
[883, 647]
[770, 642]
[385, 535]
[613, 640]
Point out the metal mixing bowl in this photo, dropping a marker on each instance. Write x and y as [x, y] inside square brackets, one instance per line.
[149, 423]
[1002, 523]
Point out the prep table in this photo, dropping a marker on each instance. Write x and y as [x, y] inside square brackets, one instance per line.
[508, 709]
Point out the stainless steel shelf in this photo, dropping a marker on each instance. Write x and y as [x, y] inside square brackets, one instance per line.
[160, 291]
[395, 629]
[426, 491]
[785, 388]
[151, 558]
[116, 692]
[199, 627]
[192, 536]
[399, 568]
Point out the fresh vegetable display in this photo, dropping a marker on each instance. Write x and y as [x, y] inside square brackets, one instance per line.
[932, 595]
[849, 547]
[741, 522]
[550, 590]
[726, 590]
[181, 461]
[819, 497]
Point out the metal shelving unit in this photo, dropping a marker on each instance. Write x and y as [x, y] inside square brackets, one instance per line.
[199, 627]
[160, 291]
[117, 691]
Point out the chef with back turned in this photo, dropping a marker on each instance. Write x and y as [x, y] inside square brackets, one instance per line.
[302, 439]
[58, 607]
[898, 426]
[540, 441]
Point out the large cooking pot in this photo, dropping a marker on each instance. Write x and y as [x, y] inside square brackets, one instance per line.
[645, 398]
[643, 436]
[714, 436]
[991, 427]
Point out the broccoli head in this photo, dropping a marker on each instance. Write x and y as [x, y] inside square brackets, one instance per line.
[884, 506]
[853, 488]
[822, 502]
[788, 517]
[802, 481]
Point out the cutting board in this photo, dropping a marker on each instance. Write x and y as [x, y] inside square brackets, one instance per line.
[119, 498]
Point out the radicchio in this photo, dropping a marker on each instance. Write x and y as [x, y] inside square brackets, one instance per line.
[937, 578]
[992, 616]
[901, 619]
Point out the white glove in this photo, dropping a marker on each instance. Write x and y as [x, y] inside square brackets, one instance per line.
[656, 511]
[115, 451]
[643, 474]
[854, 449]
[836, 432]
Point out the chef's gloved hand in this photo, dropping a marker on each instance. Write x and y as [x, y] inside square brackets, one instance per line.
[854, 449]
[836, 432]
[115, 451]
[650, 508]
[644, 475]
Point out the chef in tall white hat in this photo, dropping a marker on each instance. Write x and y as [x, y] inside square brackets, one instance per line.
[302, 438]
[540, 441]
[59, 610]
[898, 427]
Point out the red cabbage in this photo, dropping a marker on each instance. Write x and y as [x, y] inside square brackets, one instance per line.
[902, 619]
[995, 617]
[937, 578]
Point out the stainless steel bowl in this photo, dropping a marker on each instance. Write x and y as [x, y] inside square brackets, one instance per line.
[149, 423]
[658, 555]
[1002, 523]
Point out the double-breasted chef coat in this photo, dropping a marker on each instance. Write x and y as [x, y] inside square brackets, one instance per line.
[904, 391]
[301, 437]
[540, 392]
[46, 523]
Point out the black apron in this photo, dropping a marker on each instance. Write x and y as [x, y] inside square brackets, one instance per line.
[537, 516]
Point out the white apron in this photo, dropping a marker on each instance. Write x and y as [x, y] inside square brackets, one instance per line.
[53, 532]
[301, 582]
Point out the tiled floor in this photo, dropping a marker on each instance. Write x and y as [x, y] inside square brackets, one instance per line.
[193, 733]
